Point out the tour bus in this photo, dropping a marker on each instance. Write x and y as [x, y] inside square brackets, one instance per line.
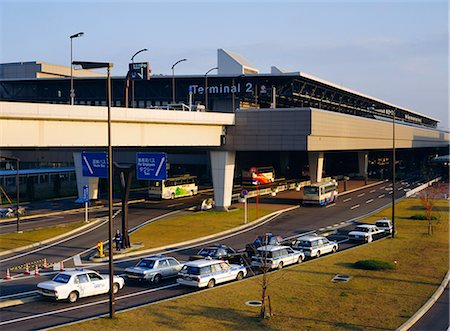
[175, 187]
[321, 193]
[258, 176]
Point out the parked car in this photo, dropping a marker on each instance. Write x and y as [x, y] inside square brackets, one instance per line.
[154, 268]
[263, 240]
[74, 284]
[220, 252]
[366, 233]
[276, 257]
[209, 272]
[314, 246]
[384, 224]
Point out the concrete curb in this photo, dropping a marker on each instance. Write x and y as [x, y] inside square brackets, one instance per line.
[81, 228]
[192, 241]
[422, 311]
[19, 301]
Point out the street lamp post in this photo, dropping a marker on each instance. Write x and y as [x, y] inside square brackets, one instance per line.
[393, 174]
[132, 81]
[173, 78]
[108, 66]
[206, 86]
[17, 189]
[72, 91]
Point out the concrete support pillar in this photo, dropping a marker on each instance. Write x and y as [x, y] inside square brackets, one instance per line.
[81, 180]
[315, 160]
[222, 168]
[363, 160]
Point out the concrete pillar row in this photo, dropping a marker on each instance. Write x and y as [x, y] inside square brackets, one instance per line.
[92, 182]
[222, 168]
[363, 160]
[315, 160]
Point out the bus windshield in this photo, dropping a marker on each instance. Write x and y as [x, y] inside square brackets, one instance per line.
[311, 190]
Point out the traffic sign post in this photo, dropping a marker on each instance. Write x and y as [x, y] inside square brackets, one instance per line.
[151, 166]
[244, 193]
[94, 164]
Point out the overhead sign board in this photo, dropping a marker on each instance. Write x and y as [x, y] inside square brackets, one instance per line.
[94, 164]
[139, 71]
[151, 166]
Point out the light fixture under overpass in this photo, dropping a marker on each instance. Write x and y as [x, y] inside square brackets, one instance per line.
[108, 66]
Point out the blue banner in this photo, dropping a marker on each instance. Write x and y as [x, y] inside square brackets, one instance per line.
[151, 166]
[95, 164]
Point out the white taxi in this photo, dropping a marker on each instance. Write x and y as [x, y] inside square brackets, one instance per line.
[208, 272]
[276, 257]
[366, 233]
[74, 284]
[315, 246]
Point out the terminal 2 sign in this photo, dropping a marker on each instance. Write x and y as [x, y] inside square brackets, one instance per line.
[225, 89]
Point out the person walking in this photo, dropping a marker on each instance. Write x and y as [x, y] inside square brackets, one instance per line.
[118, 240]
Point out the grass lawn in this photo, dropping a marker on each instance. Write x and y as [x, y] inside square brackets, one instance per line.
[173, 230]
[304, 298]
[15, 240]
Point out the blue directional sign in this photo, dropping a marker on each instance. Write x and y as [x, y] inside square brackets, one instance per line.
[95, 164]
[151, 166]
[85, 193]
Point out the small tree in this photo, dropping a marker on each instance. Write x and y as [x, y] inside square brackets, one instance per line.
[429, 197]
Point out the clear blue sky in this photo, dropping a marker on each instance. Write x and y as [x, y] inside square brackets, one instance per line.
[393, 50]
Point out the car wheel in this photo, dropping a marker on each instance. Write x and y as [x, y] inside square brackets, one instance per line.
[300, 259]
[191, 193]
[334, 249]
[73, 297]
[115, 288]
[318, 254]
[157, 279]
[280, 266]
[211, 283]
[239, 276]
[172, 196]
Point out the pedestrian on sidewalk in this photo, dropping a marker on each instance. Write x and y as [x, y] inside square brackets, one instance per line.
[118, 240]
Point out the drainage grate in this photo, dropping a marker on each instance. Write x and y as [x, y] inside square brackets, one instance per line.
[254, 303]
[341, 278]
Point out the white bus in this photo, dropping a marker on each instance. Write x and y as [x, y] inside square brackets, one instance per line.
[175, 187]
[321, 193]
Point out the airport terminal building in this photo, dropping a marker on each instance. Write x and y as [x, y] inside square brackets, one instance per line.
[288, 120]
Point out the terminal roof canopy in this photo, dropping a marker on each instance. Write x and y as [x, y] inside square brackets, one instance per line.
[230, 63]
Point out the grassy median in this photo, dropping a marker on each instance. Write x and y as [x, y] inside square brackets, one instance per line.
[191, 226]
[304, 298]
[15, 240]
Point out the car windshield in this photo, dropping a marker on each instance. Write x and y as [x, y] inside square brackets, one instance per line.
[207, 252]
[61, 278]
[190, 270]
[383, 224]
[146, 264]
[304, 243]
[362, 229]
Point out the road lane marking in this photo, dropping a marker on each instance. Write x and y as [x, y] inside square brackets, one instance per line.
[390, 192]
[369, 201]
[373, 191]
[355, 206]
[400, 188]
[348, 199]
[381, 196]
[360, 195]
[382, 187]
[176, 204]
[321, 229]
[332, 205]
[85, 305]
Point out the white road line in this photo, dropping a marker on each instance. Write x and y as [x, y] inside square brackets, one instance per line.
[373, 191]
[176, 204]
[369, 201]
[17, 294]
[390, 192]
[332, 205]
[360, 195]
[355, 206]
[343, 223]
[381, 196]
[337, 224]
[321, 229]
[400, 188]
[382, 187]
[85, 305]
[345, 200]
[329, 227]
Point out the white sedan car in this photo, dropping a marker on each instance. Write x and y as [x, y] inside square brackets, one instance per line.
[315, 246]
[366, 233]
[74, 284]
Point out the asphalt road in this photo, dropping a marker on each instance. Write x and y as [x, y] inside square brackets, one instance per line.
[29, 316]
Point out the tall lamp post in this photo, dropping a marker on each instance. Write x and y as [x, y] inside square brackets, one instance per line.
[173, 78]
[7, 158]
[132, 81]
[98, 65]
[393, 173]
[206, 86]
[72, 91]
